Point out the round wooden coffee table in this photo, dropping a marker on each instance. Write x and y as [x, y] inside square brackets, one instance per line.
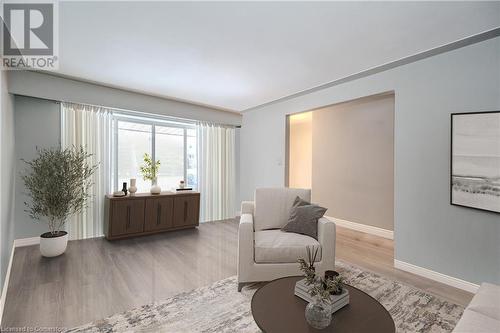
[275, 308]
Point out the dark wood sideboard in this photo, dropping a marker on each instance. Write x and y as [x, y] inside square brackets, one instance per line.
[144, 213]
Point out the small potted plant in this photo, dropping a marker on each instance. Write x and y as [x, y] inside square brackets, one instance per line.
[58, 183]
[150, 172]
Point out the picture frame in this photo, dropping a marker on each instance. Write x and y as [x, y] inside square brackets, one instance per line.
[475, 160]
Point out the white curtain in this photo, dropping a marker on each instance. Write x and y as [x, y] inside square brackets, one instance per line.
[216, 171]
[90, 127]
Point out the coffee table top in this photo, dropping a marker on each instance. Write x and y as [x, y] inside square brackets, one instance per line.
[275, 308]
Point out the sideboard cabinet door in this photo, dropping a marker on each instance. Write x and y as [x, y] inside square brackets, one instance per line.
[186, 210]
[159, 214]
[127, 217]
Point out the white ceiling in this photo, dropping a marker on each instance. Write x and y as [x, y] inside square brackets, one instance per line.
[237, 55]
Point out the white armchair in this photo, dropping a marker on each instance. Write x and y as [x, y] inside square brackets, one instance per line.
[264, 251]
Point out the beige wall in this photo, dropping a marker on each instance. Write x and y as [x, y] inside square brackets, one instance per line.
[353, 160]
[300, 150]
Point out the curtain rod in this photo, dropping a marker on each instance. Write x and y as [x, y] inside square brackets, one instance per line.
[132, 111]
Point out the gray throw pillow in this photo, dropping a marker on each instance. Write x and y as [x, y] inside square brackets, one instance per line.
[304, 220]
[296, 203]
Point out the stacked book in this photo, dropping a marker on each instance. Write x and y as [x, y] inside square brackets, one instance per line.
[337, 301]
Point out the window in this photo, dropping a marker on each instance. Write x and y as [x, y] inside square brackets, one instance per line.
[192, 163]
[133, 141]
[170, 151]
[173, 143]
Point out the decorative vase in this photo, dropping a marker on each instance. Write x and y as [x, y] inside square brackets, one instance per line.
[53, 245]
[318, 314]
[132, 189]
[124, 188]
[155, 189]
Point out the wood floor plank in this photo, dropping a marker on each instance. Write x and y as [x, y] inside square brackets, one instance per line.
[96, 278]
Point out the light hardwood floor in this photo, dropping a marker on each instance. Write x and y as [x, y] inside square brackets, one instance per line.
[377, 255]
[96, 278]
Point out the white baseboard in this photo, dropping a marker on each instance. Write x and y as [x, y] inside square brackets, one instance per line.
[17, 243]
[389, 234]
[436, 276]
[26, 241]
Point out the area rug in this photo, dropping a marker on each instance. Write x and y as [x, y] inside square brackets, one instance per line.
[221, 308]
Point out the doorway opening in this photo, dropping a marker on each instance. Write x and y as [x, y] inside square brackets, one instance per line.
[345, 154]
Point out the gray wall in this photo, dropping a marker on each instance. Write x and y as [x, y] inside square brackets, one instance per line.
[61, 89]
[353, 160]
[37, 124]
[7, 174]
[428, 231]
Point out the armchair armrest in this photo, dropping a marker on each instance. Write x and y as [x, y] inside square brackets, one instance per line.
[247, 207]
[245, 246]
[245, 234]
[326, 237]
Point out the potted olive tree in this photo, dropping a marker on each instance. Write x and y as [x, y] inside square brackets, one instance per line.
[57, 182]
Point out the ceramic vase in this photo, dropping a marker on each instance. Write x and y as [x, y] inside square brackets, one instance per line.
[53, 245]
[155, 189]
[133, 188]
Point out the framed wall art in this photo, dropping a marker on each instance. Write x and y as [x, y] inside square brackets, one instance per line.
[475, 160]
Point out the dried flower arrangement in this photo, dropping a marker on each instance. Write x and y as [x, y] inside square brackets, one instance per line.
[319, 287]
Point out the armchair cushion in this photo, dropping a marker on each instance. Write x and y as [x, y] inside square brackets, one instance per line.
[273, 206]
[475, 322]
[276, 246]
[304, 220]
[487, 301]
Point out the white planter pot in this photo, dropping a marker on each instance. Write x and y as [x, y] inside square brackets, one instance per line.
[155, 189]
[53, 246]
